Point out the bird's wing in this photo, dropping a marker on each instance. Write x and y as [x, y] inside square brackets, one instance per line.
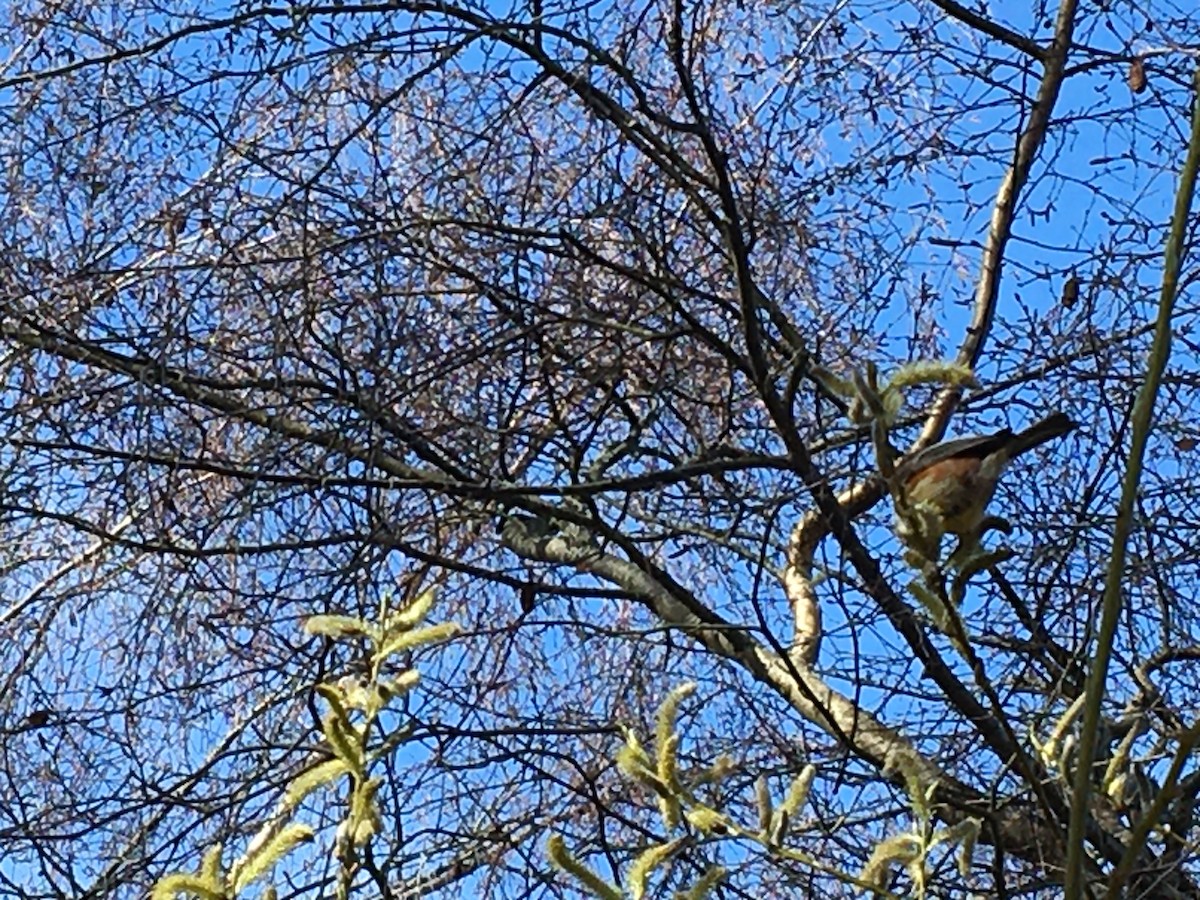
[977, 446]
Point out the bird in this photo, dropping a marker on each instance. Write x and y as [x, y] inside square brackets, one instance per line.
[957, 478]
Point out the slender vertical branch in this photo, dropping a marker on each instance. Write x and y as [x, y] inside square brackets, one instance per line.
[1143, 412]
[1029, 145]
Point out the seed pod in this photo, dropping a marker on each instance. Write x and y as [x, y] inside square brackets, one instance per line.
[1070, 291]
[1137, 75]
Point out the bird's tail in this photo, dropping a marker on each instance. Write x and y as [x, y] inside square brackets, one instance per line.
[1053, 426]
